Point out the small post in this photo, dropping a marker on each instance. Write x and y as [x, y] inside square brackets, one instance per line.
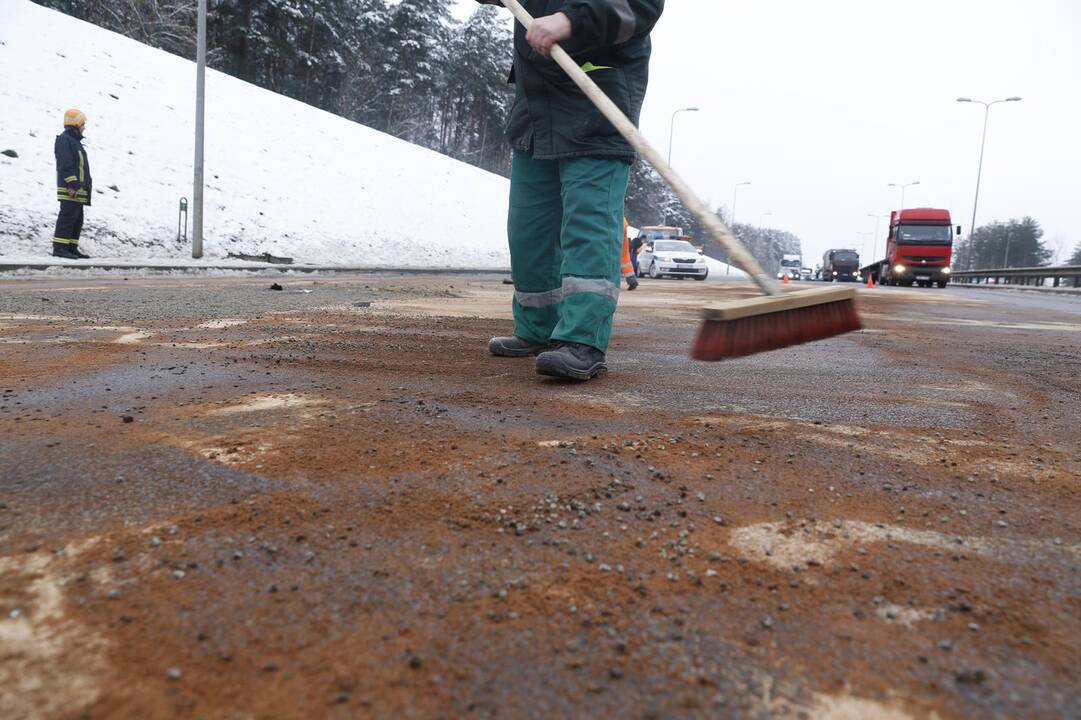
[182, 216]
[200, 112]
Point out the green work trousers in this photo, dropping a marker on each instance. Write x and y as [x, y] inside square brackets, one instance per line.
[566, 238]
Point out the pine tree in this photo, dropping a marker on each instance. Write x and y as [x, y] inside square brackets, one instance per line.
[1016, 243]
[1075, 259]
[475, 95]
[413, 52]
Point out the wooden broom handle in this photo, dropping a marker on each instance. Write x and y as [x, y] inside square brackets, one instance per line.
[717, 229]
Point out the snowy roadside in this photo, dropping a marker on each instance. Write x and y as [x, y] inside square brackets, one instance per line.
[282, 177]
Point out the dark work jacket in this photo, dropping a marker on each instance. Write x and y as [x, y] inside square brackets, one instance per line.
[551, 118]
[72, 167]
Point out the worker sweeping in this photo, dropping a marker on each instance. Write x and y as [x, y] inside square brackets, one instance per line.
[73, 186]
[627, 269]
[741, 327]
[569, 177]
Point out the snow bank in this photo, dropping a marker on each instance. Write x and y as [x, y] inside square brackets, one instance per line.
[719, 270]
[282, 177]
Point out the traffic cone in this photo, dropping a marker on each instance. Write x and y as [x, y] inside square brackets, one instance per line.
[870, 281]
[786, 279]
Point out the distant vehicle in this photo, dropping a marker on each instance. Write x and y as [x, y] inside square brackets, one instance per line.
[839, 265]
[659, 232]
[918, 250]
[806, 274]
[790, 266]
[672, 258]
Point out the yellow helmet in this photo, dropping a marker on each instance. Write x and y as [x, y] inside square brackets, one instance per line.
[74, 118]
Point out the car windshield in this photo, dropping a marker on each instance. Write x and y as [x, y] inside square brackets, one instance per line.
[924, 234]
[674, 246]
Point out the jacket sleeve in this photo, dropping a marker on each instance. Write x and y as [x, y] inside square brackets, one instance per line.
[603, 23]
[67, 163]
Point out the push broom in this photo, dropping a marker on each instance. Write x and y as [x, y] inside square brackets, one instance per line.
[741, 327]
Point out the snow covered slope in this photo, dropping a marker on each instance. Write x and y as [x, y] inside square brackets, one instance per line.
[282, 177]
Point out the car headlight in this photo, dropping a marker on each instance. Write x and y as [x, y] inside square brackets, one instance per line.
[899, 268]
[945, 271]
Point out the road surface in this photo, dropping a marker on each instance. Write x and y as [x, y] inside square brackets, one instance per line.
[223, 501]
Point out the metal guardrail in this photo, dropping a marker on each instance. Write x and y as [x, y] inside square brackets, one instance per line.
[1021, 276]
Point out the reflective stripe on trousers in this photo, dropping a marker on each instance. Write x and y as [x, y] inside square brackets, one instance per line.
[598, 286]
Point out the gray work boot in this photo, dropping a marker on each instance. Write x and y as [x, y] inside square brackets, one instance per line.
[574, 361]
[515, 346]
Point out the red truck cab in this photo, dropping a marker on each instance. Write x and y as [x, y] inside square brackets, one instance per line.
[919, 248]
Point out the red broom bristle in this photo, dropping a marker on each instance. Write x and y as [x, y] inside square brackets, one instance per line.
[718, 340]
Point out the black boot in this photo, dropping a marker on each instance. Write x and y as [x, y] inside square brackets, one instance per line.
[572, 360]
[78, 253]
[632, 282]
[514, 346]
[63, 250]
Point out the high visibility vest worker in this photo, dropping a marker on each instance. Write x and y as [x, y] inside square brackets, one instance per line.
[628, 266]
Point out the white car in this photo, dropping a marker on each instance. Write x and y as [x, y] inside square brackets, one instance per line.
[672, 258]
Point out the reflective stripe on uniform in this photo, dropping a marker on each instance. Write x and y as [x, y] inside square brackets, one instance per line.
[66, 241]
[82, 166]
[627, 22]
[539, 299]
[598, 286]
[70, 178]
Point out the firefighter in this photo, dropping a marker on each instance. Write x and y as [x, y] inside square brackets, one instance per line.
[569, 178]
[628, 267]
[73, 186]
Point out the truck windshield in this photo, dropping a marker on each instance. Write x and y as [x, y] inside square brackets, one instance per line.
[674, 246]
[924, 235]
[846, 257]
[790, 263]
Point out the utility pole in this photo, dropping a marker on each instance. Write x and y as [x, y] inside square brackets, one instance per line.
[200, 126]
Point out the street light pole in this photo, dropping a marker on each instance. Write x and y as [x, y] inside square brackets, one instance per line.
[983, 143]
[903, 186]
[200, 112]
[735, 194]
[874, 243]
[672, 128]
[863, 243]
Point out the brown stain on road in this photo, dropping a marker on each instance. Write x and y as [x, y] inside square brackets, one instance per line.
[346, 512]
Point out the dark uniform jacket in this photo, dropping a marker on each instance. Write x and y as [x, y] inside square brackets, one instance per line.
[551, 118]
[72, 168]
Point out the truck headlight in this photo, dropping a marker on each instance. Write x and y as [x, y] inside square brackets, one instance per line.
[899, 269]
[834, 272]
[945, 271]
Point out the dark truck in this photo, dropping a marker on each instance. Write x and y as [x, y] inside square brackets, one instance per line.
[840, 265]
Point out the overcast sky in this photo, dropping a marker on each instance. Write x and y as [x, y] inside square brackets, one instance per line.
[821, 105]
